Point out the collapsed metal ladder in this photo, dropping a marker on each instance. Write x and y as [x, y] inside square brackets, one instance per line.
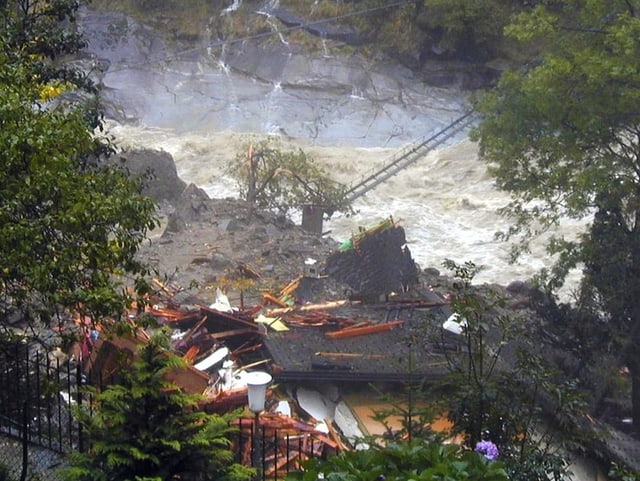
[408, 155]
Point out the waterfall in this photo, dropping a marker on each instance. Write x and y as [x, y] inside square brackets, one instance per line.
[357, 93]
[273, 24]
[271, 126]
[232, 8]
[325, 49]
[222, 63]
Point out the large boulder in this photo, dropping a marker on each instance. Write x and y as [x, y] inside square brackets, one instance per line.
[192, 206]
[165, 185]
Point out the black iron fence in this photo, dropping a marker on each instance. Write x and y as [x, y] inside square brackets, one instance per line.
[36, 394]
[38, 391]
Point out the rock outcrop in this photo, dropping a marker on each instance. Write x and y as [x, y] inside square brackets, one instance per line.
[164, 186]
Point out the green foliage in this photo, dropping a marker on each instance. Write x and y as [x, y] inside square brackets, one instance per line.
[69, 225]
[562, 137]
[464, 28]
[560, 134]
[618, 473]
[395, 31]
[146, 428]
[416, 460]
[43, 32]
[415, 416]
[5, 473]
[499, 382]
[270, 178]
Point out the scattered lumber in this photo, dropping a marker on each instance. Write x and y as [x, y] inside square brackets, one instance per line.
[169, 290]
[360, 331]
[350, 355]
[187, 337]
[167, 313]
[266, 297]
[234, 332]
[225, 401]
[335, 437]
[191, 354]
[311, 307]
[235, 318]
[410, 303]
[286, 441]
[291, 287]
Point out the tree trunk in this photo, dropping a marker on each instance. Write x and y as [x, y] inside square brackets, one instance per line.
[251, 179]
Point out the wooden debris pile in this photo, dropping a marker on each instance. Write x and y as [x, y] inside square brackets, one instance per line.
[311, 323]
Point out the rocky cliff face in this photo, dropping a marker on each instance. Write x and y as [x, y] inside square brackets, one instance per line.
[246, 38]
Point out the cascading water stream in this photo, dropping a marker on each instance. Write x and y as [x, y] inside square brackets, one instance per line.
[271, 111]
[233, 7]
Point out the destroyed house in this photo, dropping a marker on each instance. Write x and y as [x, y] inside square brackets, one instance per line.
[359, 316]
[380, 330]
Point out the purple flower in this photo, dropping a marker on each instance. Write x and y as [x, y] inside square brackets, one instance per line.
[489, 450]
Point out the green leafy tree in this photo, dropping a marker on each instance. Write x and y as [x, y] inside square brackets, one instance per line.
[271, 178]
[45, 33]
[467, 29]
[562, 137]
[416, 460]
[70, 224]
[500, 388]
[145, 428]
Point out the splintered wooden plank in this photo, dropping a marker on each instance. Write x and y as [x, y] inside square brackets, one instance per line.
[361, 331]
[335, 437]
[187, 337]
[191, 354]
[234, 332]
[311, 307]
[349, 355]
[291, 287]
[170, 290]
[274, 300]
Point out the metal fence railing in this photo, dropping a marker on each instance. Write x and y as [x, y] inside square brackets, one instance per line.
[37, 393]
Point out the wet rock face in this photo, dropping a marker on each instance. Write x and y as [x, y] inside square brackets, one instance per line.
[116, 37]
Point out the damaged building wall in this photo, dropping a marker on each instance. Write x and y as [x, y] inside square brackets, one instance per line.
[375, 263]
